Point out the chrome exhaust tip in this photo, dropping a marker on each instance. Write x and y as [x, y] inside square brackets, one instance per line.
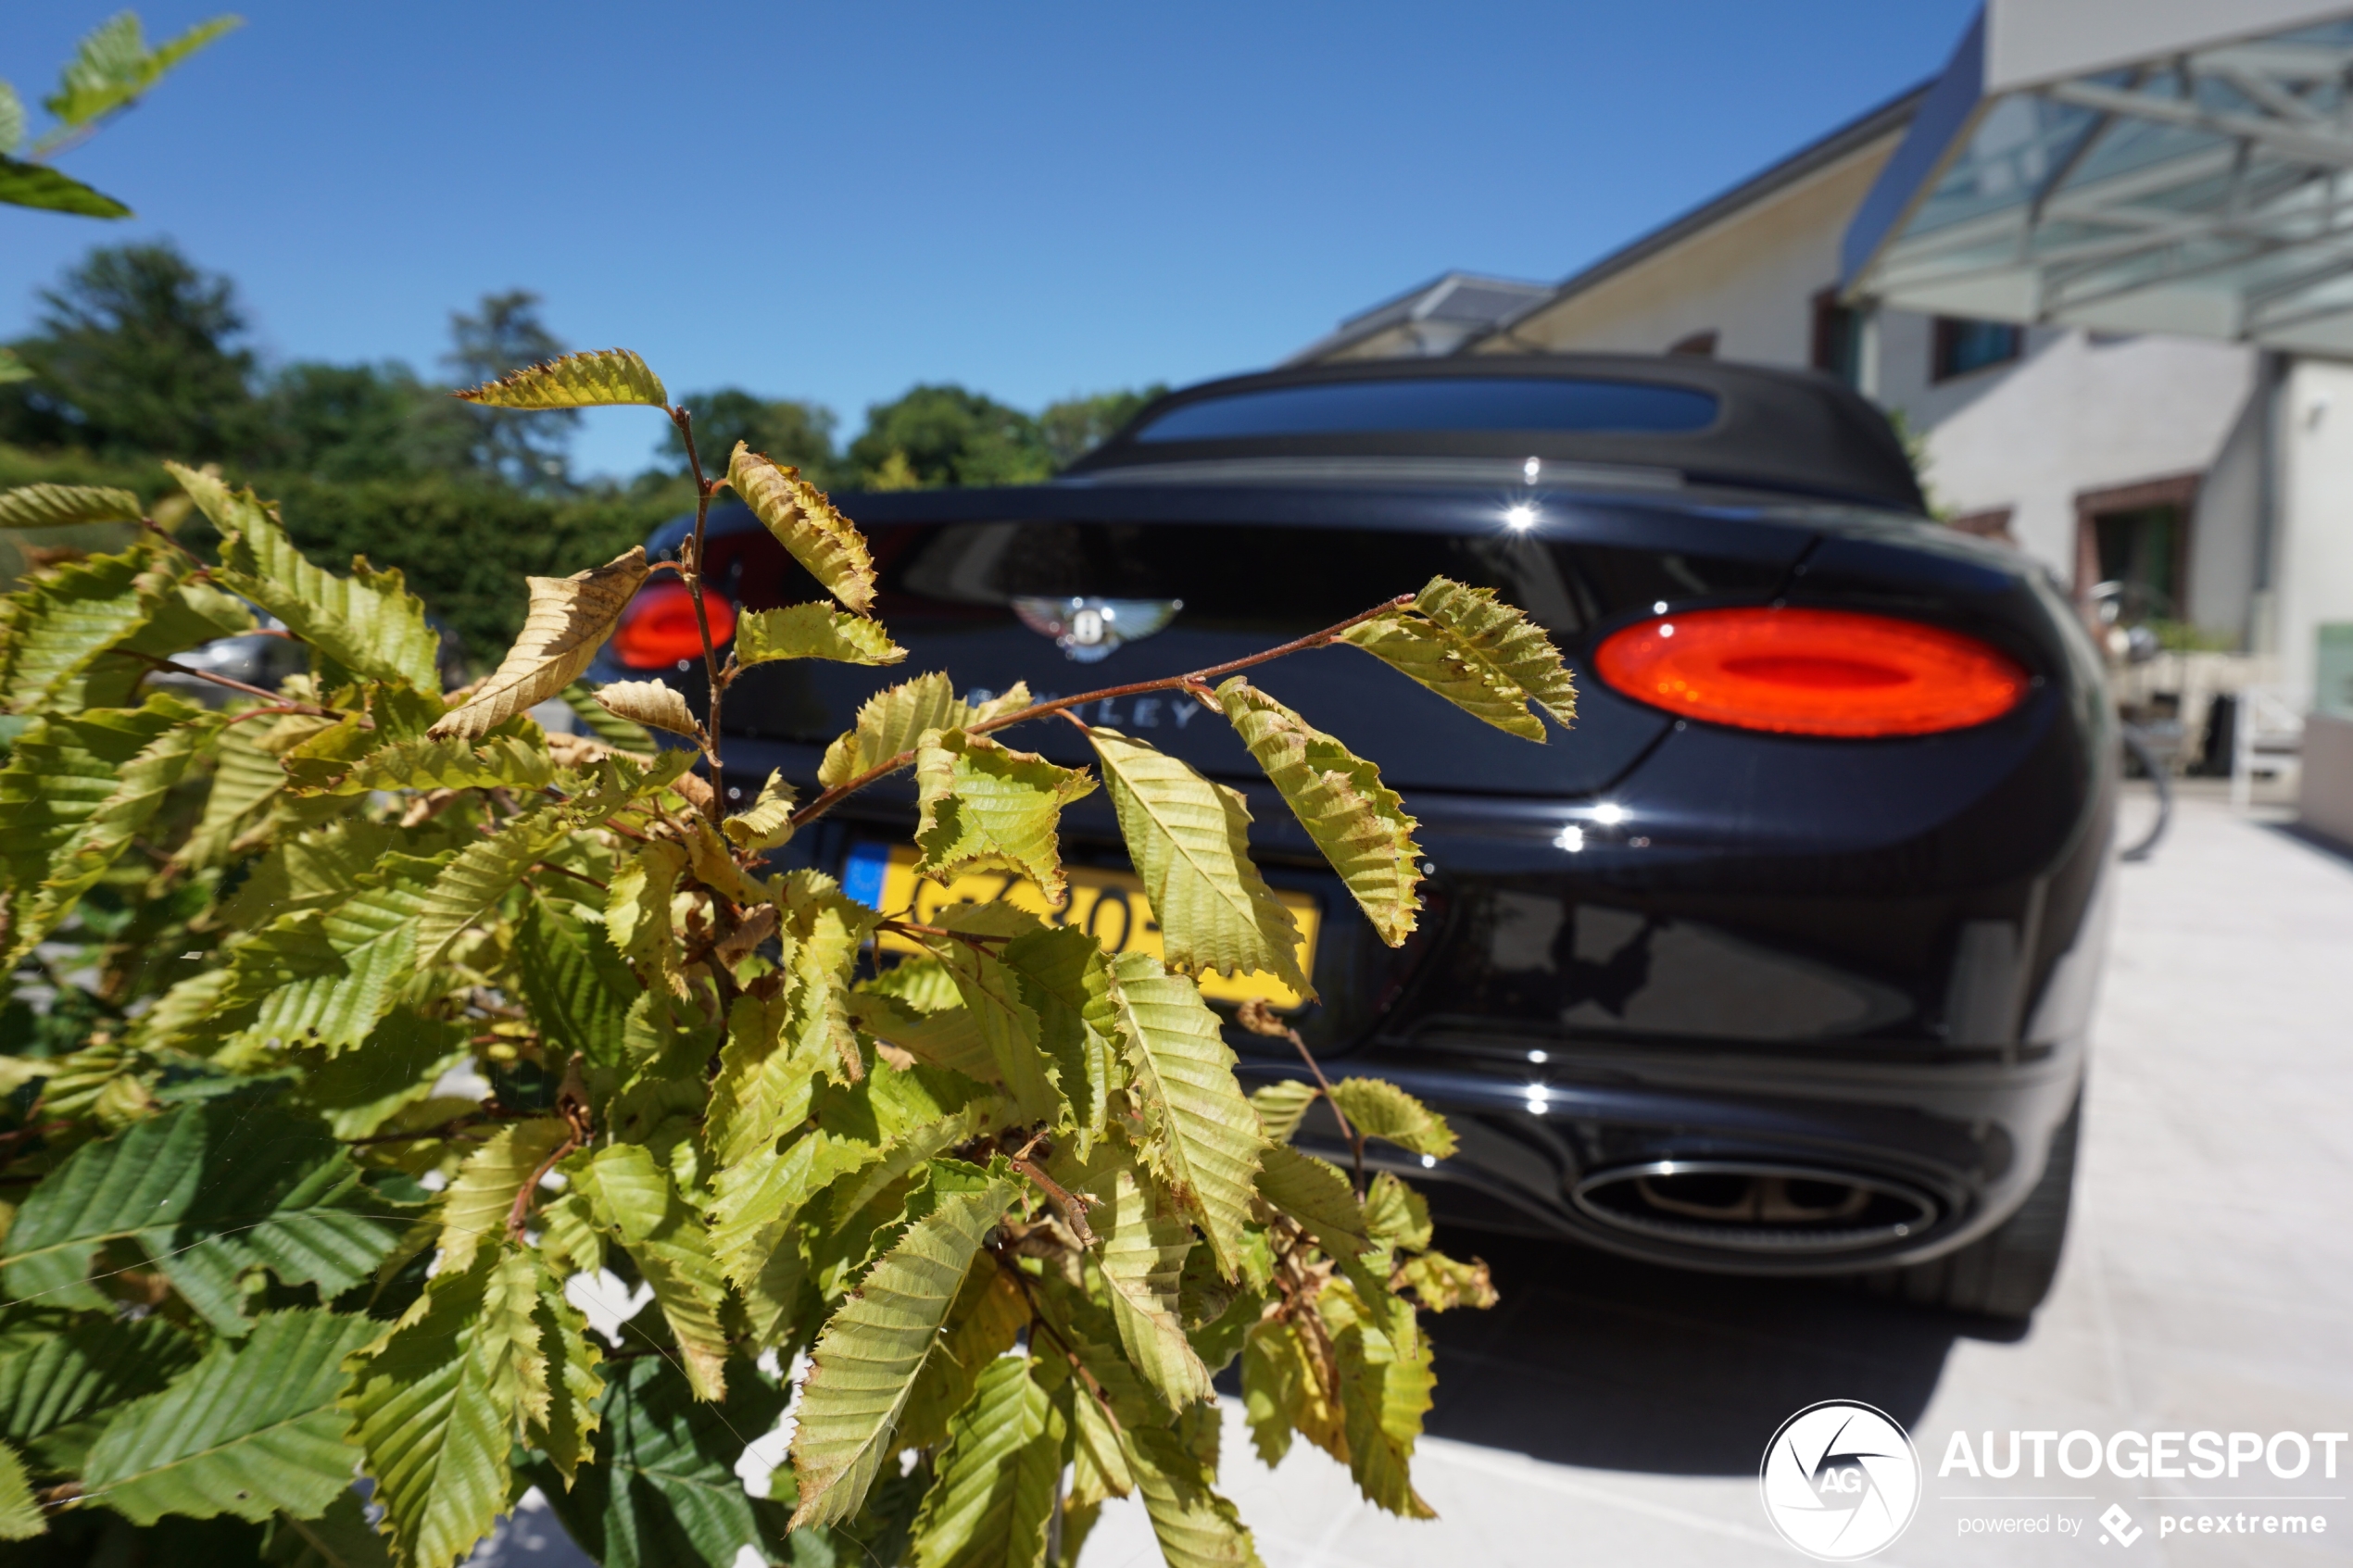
[1750, 1206]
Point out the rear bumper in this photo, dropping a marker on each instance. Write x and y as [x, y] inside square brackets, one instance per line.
[1964, 1141]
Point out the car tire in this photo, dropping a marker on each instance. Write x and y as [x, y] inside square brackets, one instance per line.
[2006, 1274]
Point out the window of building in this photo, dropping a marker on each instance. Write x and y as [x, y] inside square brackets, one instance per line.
[1838, 338]
[2133, 552]
[1702, 344]
[1964, 346]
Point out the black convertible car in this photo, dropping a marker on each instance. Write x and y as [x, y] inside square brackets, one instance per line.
[1780, 962]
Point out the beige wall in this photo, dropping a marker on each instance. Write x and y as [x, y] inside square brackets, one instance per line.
[1751, 279]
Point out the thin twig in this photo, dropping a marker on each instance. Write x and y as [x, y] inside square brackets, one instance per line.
[691, 570]
[195, 674]
[522, 1209]
[1072, 1207]
[1189, 681]
[1038, 1316]
[152, 526]
[582, 876]
[1259, 1019]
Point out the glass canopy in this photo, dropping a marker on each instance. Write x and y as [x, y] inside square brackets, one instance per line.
[2204, 190]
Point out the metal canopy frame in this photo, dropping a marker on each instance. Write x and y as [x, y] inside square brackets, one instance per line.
[2206, 192]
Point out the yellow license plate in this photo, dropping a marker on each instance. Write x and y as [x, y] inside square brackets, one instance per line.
[1108, 906]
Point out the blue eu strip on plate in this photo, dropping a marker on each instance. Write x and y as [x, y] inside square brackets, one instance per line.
[862, 875]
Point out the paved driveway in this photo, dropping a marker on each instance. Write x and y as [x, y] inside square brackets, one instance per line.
[1613, 1413]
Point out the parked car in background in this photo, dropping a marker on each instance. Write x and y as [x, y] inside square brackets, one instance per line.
[1780, 962]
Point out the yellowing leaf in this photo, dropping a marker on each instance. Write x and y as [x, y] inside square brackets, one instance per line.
[1284, 1390]
[649, 703]
[984, 806]
[812, 631]
[805, 522]
[892, 721]
[59, 624]
[1395, 1215]
[767, 821]
[672, 1248]
[1483, 655]
[988, 1317]
[873, 1349]
[1202, 1138]
[1440, 1284]
[1381, 1109]
[1190, 840]
[1196, 1529]
[56, 506]
[474, 1210]
[1143, 1261]
[638, 914]
[470, 886]
[368, 622]
[597, 379]
[1312, 1192]
[1356, 820]
[995, 1492]
[1281, 1106]
[570, 619]
[1385, 1381]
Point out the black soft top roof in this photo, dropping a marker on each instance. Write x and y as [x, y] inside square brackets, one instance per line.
[1774, 430]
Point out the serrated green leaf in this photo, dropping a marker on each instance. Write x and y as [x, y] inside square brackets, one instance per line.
[206, 1190]
[38, 185]
[673, 1251]
[1202, 1138]
[602, 722]
[1396, 1217]
[60, 1386]
[340, 1537]
[1066, 978]
[569, 620]
[251, 1428]
[766, 823]
[578, 988]
[396, 1067]
[112, 67]
[995, 1493]
[1359, 823]
[649, 704]
[1385, 1382]
[1483, 655]
[500, 761]
[327, 976]
[1196, 1529]
[1440, 1284]
[753, 1206]
[368, 622]
[660, 1491]
[1144, 1243]
[1099, 1466]
[1189, 838]
[891, 723]
[472, 885]
[638, 914]
[244, 780]
[1314, 1193]
[438, 1403]
[944, 1036]
[807, 524]
[984, 806]
[994, 996]
[985, 1320]
[875, 1348]
[1281, 1107]
[476, 1206]
[1381, 1109]
[597, 379]
[777, 1048]
[76, 791]
[812, 631]
[20, 1517]
[60, 621]
[58, 505]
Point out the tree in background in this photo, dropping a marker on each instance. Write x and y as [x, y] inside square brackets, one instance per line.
[507, 334]
[937, 435]
[1076, 426]
[783, 428]
[135, 353]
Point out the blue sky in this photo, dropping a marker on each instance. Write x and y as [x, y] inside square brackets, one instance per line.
[837, 202]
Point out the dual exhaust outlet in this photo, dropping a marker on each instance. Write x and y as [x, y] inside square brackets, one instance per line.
[1758, 1207]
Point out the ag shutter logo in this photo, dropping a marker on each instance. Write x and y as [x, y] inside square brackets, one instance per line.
[1841, 1480]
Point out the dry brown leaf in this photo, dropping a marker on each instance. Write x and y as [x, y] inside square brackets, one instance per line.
[649, 703]
[570, 619]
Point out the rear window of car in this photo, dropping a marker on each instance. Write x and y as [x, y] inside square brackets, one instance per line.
[1499, 403]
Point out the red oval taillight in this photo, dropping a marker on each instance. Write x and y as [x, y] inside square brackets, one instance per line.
[1812, 672]
[658, 629]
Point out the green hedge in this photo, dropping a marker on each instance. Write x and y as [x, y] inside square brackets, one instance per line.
[463, 546]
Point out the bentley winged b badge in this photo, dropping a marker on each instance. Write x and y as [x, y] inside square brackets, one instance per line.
[1089, 629]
